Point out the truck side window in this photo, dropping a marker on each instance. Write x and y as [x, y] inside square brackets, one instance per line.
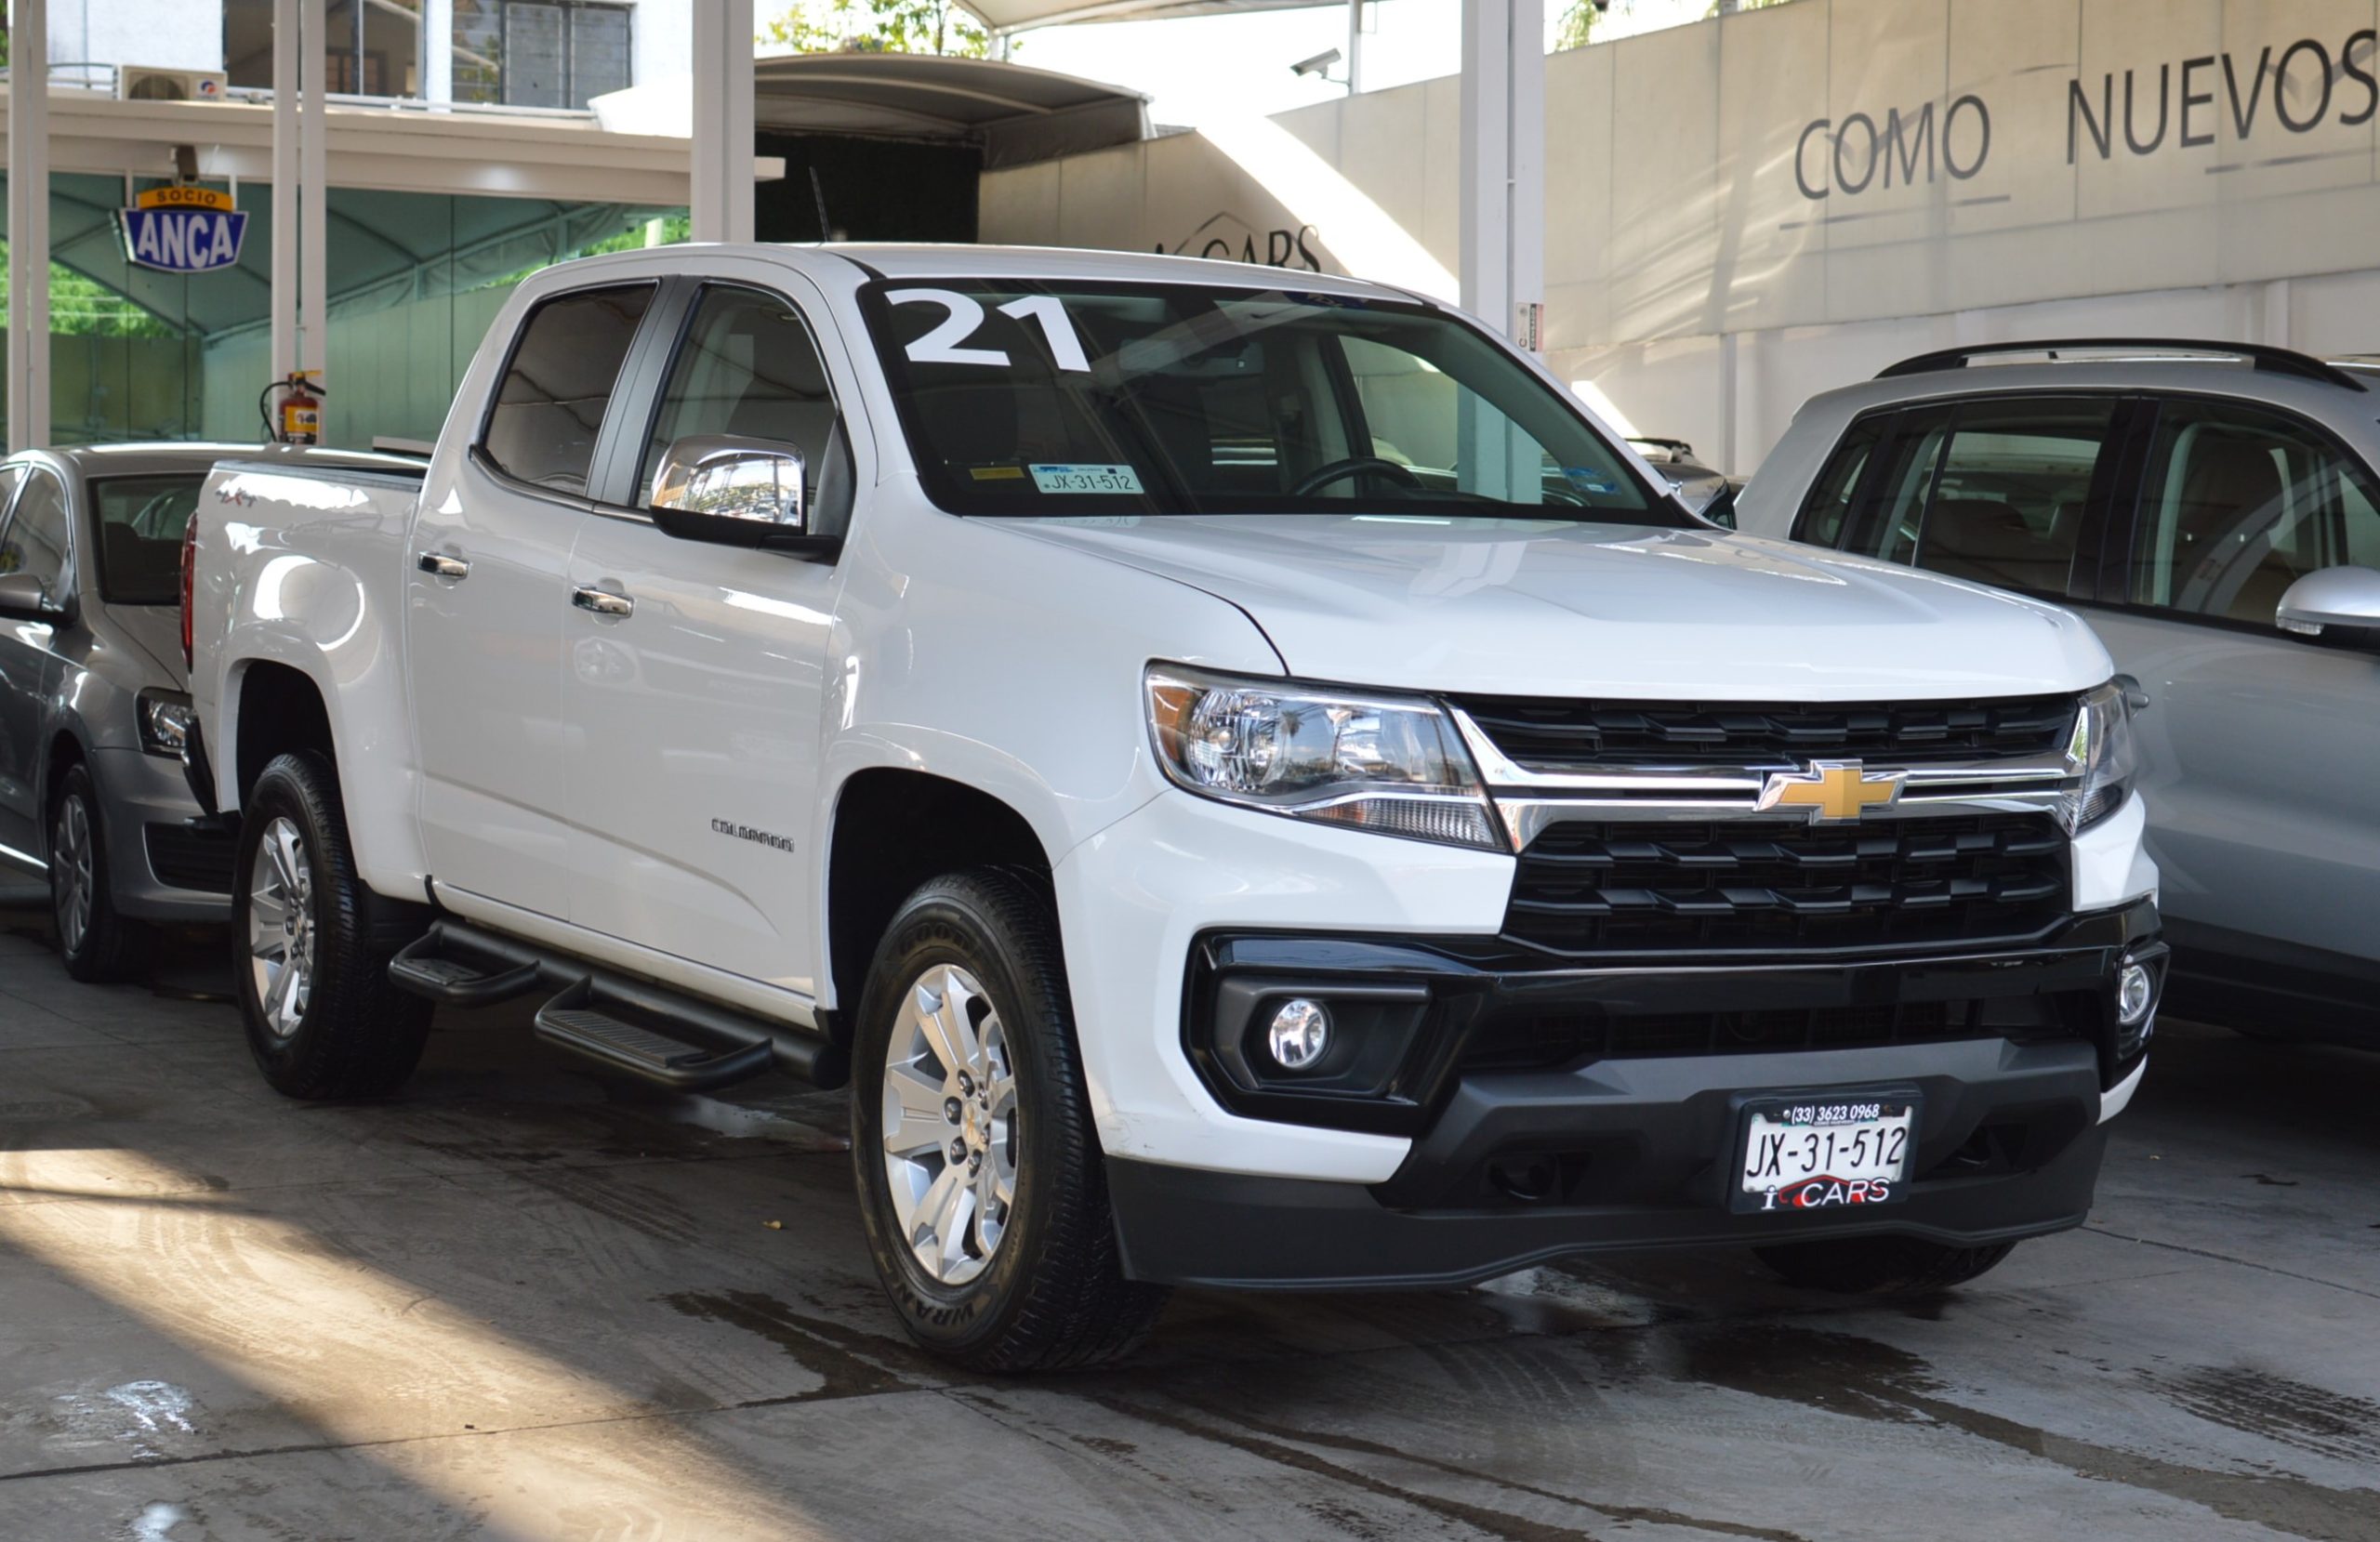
[549, 407]
[35, 541]
[2237, 505]
[749, 367]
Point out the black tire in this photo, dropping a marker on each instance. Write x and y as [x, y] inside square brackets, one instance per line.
[1053, 1293]
[355, 1034]
[1881, 1266]
[104, 946]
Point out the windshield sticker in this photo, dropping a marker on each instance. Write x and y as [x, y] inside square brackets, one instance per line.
[996, 473]
[963, 317]
[1086, 479]
[1586, 478]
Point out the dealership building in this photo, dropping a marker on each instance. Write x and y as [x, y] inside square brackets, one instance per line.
[1736, 214]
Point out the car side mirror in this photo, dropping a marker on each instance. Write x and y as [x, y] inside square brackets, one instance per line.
[2344, 596]
[26, 597]
[736, 491]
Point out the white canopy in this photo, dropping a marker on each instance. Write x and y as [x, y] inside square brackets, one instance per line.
[1010, 16]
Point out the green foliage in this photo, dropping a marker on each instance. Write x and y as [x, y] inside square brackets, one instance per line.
[1578, 21]
[81, 307]
[880, 27]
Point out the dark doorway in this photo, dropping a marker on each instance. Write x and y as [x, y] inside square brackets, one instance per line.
[872, 190]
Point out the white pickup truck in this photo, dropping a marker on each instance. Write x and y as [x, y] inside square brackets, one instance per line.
[1247, 782]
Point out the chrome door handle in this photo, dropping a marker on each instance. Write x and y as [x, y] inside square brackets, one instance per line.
[441, 565]
[602, 602]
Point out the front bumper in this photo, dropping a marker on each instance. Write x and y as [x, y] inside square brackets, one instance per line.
[161, 867]
[1596, 1143]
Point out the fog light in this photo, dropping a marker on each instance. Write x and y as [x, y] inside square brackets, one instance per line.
[1301, 1032]
[2136, 992]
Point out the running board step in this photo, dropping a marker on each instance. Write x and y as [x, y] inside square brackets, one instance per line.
[458, 967]
[668, 1043]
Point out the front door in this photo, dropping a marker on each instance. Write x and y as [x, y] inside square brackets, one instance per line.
[488, 600]
[2257, 747]
[32, 539]
[699, 706]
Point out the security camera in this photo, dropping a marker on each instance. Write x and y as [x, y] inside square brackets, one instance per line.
[1319, 65]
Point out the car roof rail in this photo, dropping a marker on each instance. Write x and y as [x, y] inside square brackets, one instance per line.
[2272, 360]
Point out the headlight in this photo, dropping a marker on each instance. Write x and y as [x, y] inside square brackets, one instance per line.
[165, 723]
[1386, 763]
[2100, 754]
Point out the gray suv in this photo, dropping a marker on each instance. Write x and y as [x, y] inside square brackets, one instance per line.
[92, 696]
[2213, 512]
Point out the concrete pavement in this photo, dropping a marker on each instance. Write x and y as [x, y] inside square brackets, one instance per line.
[522, 1302]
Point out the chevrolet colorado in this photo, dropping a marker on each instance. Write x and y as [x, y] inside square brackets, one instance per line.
[1245, 779]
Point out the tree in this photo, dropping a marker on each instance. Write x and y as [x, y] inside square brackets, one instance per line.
[880, 27]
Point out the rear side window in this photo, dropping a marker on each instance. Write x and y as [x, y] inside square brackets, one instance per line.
[1994, 492]
[1827, 507]
[140, 523]
[549, 407]
[2237, 504]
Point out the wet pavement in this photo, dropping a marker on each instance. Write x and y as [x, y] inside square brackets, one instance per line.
[522, 1302]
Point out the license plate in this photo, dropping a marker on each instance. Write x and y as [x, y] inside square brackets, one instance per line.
[1840, 1151]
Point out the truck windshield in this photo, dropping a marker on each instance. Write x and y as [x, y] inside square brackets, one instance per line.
[1095, 398]
[141, 522]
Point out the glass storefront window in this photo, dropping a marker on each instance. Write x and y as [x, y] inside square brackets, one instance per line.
[518, 53]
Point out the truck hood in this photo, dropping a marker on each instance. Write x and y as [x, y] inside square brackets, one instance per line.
[1556, 608]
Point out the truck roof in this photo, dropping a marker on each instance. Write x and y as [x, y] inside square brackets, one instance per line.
[957, 261]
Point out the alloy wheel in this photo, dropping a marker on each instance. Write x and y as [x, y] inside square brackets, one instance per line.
[74, 871]
[280, 927]
[950, 1124]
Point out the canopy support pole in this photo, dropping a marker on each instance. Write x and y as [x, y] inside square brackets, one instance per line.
[313, 193]
[722, 206]
[1502, 168]
[28, 393]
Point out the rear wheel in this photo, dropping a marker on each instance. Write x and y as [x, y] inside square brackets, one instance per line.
[1881, 1266]
[982, 1186]
[322, 1019]
[96, 943]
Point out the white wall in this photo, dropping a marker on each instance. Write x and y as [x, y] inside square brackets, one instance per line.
[1681, 166]
[173, 34]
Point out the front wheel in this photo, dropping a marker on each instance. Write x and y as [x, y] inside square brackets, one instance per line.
[322, 1018]
[1881, 1266]
[982, 1186]
[95, 943]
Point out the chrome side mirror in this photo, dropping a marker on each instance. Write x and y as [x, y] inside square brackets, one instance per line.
[734, 492]
[26, 597]
[2344, 596]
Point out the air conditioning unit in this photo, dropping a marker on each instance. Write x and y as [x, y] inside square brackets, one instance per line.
[141, 82]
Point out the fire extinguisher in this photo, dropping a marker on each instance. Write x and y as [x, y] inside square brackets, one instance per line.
[301, 410]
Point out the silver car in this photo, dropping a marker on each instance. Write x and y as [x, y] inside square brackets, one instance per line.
[92, 701]
[2213, 512]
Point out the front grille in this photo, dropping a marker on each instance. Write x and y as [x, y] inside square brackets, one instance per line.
[1594, 888]
[1544, 1040]
[1543, 735]
[184, 858]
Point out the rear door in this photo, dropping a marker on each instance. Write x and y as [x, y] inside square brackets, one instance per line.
[487, 599]
[2258, 746]
[697, 713]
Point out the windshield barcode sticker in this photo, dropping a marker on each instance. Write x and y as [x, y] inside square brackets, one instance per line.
[1086, 479]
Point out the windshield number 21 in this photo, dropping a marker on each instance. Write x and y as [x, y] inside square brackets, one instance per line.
[964, 318]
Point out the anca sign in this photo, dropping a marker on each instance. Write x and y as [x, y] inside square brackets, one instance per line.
[184, 229]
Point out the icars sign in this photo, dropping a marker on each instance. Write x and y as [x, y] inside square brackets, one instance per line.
[184, 229]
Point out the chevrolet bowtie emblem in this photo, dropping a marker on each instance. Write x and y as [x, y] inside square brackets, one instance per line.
[1836, 791]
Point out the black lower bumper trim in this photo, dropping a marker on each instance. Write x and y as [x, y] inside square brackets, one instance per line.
[1181, 1226]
